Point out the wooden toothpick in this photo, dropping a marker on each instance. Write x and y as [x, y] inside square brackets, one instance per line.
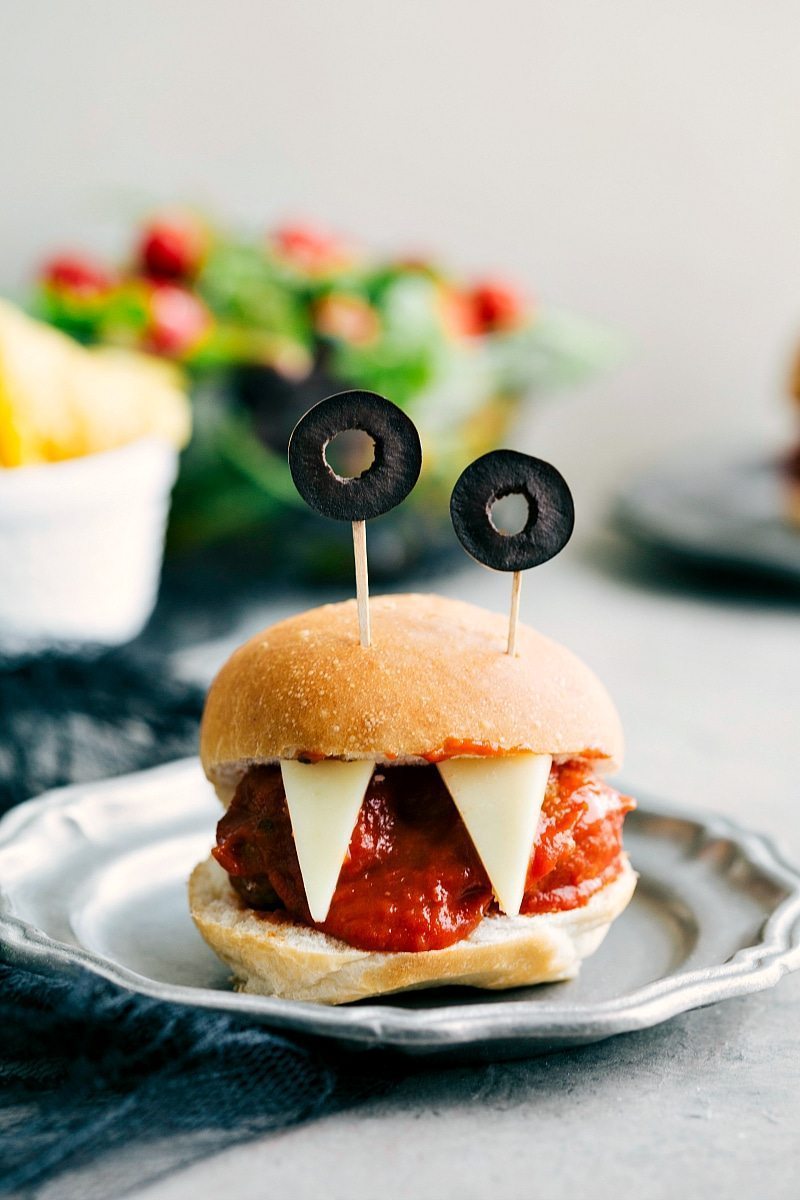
[513, 617]
[362, 580]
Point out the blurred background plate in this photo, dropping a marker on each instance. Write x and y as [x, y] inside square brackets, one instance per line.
[714, 511]
[94, 877]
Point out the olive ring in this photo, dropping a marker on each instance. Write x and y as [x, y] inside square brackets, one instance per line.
[551, 513]
[394, 470]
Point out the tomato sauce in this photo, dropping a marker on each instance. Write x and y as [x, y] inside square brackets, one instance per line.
[412, 879]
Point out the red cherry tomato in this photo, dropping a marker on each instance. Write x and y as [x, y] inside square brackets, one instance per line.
[78, 274]
[178, 320]
[496, 305]
[172, 248]
[309, 249]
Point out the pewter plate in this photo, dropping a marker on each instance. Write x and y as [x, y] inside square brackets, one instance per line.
[94, 877]
[714, 512]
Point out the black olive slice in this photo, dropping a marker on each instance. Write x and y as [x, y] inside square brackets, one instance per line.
[394, 471]
[551, 513]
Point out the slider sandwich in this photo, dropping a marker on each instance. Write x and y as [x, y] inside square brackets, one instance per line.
[428, 810]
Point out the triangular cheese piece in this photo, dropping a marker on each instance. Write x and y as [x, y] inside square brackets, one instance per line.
[500, 800]
[324, 799]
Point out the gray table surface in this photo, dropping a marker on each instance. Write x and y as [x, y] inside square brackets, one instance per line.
[708, 685]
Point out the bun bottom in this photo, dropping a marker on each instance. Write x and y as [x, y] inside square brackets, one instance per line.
[272, 955]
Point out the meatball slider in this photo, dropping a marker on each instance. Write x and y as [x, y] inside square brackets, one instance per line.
[429, 811]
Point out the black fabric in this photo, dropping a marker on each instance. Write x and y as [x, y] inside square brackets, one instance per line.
[72, 720]
[87, 1069]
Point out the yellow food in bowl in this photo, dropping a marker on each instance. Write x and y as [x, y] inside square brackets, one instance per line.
[60, 400]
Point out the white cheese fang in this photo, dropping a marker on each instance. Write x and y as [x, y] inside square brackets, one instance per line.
[500, 800]
[324, 800]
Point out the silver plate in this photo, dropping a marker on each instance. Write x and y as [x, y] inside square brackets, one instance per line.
[95, 876]
[714, 511]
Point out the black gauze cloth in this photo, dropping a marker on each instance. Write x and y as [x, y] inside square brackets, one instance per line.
[89, 1071]
[102, 1091]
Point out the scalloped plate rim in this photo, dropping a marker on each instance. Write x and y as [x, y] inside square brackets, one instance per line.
[752, 968]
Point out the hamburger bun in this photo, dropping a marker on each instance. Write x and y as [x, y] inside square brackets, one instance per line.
[436, 682]
[272, 955]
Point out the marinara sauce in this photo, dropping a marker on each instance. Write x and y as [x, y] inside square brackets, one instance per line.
[412, 879]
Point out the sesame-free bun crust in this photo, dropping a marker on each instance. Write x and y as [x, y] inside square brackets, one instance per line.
[271, 955]
[435, 682]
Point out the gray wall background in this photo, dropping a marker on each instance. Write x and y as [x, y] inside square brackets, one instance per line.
[637, 161]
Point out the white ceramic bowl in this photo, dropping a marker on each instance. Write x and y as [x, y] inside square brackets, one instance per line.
[81, 544]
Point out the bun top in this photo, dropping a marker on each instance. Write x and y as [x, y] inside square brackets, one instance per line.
[435, 683]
